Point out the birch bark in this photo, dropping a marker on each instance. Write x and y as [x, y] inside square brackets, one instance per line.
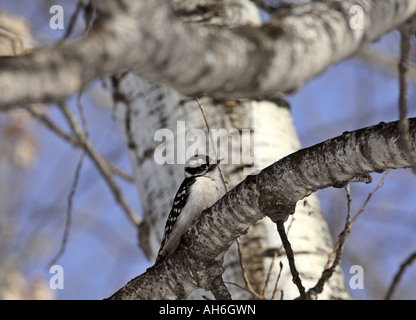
[145, 108]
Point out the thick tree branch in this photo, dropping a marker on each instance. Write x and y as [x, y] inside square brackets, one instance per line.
[274, 192]
[300, 42]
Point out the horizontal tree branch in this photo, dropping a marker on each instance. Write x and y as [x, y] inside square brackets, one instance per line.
[274, 192]
[299, 42]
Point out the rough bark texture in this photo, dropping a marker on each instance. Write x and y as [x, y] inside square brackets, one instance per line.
[299, 43]
[274, 192]
[143, 108]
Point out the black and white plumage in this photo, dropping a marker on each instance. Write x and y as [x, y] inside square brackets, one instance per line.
[200, 189]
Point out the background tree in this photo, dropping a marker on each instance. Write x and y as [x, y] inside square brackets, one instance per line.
[253, 64]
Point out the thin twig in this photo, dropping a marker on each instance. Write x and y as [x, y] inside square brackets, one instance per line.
[380, 184]
[69, 211]
[83, 116]
[253, 293]
[345, 232]
[71, 25]
[399, 274]
[118, 171]
[73, 188]
[249, 288]
[101, 165]
[291, 259]
[47, 122]
[201, 107]
[329, 270]
[403, 75]
[214, 145]
[269, 273]
[89, 11]
[277, 281]
[276, 254]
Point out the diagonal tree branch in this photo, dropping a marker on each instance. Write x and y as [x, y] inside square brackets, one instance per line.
[329, 268]
[274, 192]
[103, 166]
[75, 142]
[300, 42]
[399, 274]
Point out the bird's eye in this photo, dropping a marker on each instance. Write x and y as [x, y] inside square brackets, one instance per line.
[196, 171]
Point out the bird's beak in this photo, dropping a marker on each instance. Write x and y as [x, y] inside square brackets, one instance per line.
[215, 164]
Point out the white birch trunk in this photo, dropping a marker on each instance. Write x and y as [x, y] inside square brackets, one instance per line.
[145, 108]
[154, 107]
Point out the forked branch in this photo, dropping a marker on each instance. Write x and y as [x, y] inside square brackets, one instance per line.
[274, 192]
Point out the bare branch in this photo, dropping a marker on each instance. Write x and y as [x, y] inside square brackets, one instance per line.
[341, 238]
[148, 37]
[276, 254]
[102, 166]
[329, 270]
[274, 192]
[399, 274]
[73, 188]
[291, 259]
[249, 288]
[69, 211]
[71, 25]
[83, 116]
[406, 32]
[46, 121]
[204, 115]
[277, 281]
[380, 184]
